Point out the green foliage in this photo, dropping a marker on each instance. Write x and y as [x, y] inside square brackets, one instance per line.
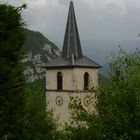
[39, 124]
[119, 101]
[11, 78]
[34, 41]
[118, 104]
[22, 110]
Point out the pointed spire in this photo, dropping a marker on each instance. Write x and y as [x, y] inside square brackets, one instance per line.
[71, 45]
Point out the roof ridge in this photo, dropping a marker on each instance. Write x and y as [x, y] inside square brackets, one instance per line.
[73, 61]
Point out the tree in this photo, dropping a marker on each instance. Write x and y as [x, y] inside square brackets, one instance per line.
[118, 104]
[39, 123]
[22, 110]
[12, 81]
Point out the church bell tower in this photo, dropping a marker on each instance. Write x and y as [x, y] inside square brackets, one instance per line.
[70, 74]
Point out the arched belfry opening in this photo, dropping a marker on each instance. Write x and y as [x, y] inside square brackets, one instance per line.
[59, 81]
[86, 81]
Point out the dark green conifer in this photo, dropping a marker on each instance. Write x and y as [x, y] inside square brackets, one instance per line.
[12, 81]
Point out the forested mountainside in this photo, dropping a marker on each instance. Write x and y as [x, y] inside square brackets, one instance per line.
[38, 50]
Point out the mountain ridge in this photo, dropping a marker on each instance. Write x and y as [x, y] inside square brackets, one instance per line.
[38, 51]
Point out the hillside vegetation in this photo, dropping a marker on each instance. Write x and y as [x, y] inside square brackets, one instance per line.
[38, 51]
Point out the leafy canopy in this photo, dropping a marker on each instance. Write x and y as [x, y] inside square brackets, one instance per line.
[117, 107]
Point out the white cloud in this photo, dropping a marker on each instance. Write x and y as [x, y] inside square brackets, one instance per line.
[99, 19]
[101, 4]
[133, 3]
[108, 6]
[37, 3]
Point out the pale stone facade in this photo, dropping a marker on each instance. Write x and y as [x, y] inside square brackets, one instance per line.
[73, 78]
[73, 86]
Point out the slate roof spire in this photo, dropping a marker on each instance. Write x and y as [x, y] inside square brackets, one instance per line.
[71, 45]
[72, 53]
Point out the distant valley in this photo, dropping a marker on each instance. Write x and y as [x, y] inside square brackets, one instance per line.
[101, 50]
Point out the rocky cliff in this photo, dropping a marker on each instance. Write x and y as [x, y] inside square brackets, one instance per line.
[38, 51]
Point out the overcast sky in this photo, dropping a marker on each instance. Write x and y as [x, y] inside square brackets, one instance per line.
[97, 19]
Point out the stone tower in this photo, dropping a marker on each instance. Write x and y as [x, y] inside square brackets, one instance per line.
[71, 74]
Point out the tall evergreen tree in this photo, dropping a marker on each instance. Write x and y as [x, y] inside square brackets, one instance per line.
[22, 112]
[12, 80]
